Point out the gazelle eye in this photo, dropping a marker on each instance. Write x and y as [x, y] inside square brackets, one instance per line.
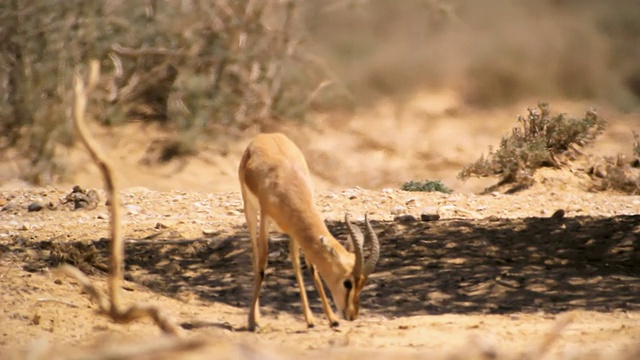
[347, 284]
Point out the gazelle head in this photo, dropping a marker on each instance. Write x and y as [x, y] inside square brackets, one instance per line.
[346, 289]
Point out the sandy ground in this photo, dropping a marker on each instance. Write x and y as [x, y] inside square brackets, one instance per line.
[491, 279]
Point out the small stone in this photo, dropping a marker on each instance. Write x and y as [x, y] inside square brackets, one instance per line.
[24, 226]
[387, 190]
[558, 214]
[331, 196]
[209, 232]
[397, 210]
[233, 213]
[102, 216]
[159, 226]
[411, 202]
[10, 206]
[429, 217]
[172, 268]
[132, 209]
[35, 206]
[404, 219]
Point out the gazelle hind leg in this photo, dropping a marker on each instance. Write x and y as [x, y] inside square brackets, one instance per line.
[260, 254]
[295, 260]
[251, 215]
[326, 306]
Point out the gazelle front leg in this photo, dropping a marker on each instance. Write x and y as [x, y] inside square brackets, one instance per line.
[295, 260]
[326, 306]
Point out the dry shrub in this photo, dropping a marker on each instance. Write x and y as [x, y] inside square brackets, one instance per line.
[426, 186]
[198, 67]
[218, 67]
[540, 140]
[615, 174]
[546, 140]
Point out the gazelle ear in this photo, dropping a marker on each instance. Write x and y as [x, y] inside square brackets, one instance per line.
[325, 244]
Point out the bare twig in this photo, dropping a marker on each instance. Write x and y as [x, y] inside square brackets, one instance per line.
[116, 267]
[165, 242]
[110, 306]
[550, 337]
[87, 286]
[123, 51]
[148, 350]
[49, 300]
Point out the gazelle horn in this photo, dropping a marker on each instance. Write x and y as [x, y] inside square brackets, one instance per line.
[371, 237]
[358, 243]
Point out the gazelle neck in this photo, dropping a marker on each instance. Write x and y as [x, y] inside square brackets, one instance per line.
[322, 250]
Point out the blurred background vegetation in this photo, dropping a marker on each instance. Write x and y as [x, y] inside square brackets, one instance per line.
[205, 68]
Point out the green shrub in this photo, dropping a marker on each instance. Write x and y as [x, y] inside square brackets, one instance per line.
[426, 186]
[537, 141]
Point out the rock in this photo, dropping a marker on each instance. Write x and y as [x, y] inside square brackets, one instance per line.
[132, 209]
[404, 219]
[81, 198]
[35, 206]
[429, 217]
[24, 226]
[397, 210]
[558, 214]
[210, 232]
[10, 206]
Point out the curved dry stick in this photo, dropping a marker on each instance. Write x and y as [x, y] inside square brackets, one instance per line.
[110, 306]
[116, 245]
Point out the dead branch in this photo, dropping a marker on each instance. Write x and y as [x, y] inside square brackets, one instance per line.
[165, 242]
[116, 266]
[49, 300]
[151, 90]
[550, 337]
[148, 350]
[110, 306]
[123, 51]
